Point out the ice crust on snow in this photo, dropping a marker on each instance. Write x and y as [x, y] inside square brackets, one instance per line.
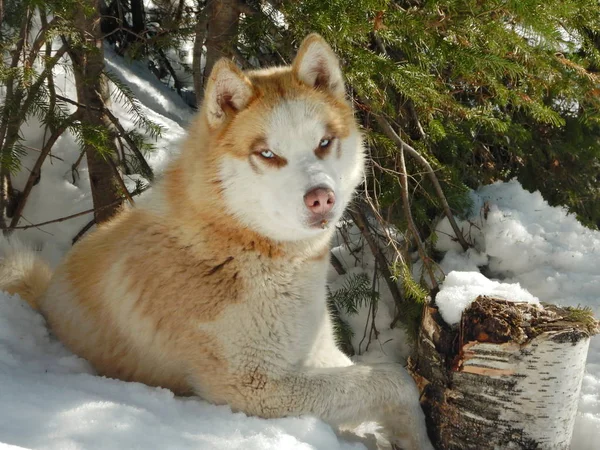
[534, 252]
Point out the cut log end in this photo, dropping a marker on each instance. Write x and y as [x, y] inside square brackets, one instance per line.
[508, 376]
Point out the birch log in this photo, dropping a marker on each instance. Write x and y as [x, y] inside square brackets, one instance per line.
[508, 378]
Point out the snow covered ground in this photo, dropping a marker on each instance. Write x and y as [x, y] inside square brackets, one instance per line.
[50, 398]
[538, 253]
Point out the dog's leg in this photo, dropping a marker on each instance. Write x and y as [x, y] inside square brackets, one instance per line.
[384, 393]
[325, 352]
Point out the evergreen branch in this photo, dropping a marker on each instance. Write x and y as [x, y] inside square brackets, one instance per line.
[36, 170]
[146, 169]
[126, 96]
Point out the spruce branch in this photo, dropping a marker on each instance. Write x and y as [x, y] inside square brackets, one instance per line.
[36, 170]
[146, 169]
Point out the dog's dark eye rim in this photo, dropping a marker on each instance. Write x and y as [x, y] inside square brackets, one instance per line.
[326, 142]
[267, 154]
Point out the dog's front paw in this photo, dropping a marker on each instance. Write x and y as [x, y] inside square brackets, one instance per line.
[405, 429]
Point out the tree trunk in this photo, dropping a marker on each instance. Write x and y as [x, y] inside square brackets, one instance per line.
[222, 19]
[509, 377]
[92, 91]
[137, 16]
[197, 69]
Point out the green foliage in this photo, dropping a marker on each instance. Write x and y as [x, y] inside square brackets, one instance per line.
[585, 316]
[416, 296]
[497, 87]
[485, 91]
[355, 293]
[124, 95]
[26, 71]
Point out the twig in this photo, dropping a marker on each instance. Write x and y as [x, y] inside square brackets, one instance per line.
[84, 230]
[371, 315]
[119, 178]
[62, 219]
[361, 222]
[39, 151]
[411, 224]
[73, 216]
[35, 171]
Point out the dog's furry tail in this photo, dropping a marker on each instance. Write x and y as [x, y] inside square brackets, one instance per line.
[22, 271]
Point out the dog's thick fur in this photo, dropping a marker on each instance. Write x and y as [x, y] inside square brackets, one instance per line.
[215, 286]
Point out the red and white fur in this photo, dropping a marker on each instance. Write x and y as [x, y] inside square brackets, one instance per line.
[215, 284]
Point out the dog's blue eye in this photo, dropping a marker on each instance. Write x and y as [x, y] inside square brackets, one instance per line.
[324, 143]
[267, 154]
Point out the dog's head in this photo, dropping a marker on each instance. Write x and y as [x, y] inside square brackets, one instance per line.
[285, 144]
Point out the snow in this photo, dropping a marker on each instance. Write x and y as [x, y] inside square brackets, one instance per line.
[461, 288]
[50, 398]
[533, 252]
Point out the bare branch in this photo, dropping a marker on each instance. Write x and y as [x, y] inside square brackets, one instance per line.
[120, 181]
[360, 219]
[72, 216]
[390, 133]
[411, 224]
[84, 230]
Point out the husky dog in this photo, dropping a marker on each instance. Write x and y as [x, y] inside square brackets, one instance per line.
[215, 286]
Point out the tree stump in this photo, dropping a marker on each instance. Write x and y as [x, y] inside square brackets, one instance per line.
[508, 377]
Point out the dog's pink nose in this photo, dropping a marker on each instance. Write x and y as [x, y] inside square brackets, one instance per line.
[320, 200]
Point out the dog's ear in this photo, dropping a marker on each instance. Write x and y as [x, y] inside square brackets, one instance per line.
[317, 66]
[228, 91]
